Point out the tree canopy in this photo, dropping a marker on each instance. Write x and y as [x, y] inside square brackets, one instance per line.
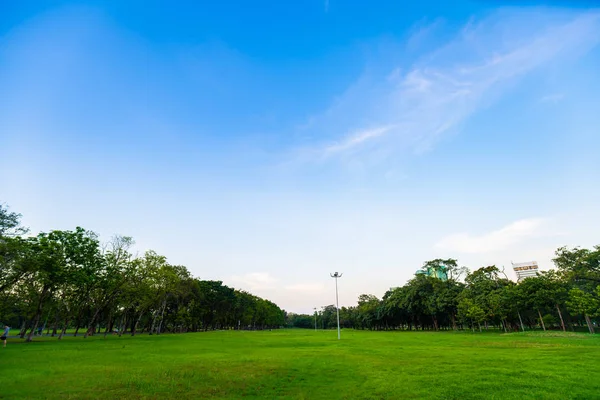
[567, 297]
[63, 279]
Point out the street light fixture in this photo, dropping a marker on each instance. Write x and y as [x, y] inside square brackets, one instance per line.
[337, 305]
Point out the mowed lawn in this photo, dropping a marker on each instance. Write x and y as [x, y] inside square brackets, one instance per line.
[303, 364]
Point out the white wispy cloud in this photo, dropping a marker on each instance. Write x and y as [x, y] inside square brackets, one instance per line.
[399, 108]
[356, 139]
[255, 280]
[500, 239]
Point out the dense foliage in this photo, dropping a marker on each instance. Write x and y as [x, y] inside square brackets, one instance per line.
[567, 297]
[68, 279]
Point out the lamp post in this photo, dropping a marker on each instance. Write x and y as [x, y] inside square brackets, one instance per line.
[315, 319]
[337, 305]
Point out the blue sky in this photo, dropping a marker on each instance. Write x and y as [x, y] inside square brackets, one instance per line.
[271, 144]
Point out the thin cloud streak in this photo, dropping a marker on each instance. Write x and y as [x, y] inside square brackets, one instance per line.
[497, 240]
[356, 139]
[412, 111]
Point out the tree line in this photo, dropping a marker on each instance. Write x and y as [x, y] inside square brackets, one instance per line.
[62, 280]
[566, 298]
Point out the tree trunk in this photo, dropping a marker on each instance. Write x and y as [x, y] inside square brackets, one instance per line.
[123, 324]
[78, 322]
[541, 320]
[31, 331]
[562, 322]
[92, 322]
[453, 322]
[23, 330]
[589, 324]
[64, 329]
[55, 329]
[154, 317]
[136, 324]
[111, 324]
[162, 315]
[521, 321]
[38, 313]
[108, 323]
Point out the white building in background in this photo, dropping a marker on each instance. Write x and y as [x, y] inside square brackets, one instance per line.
[525, 269]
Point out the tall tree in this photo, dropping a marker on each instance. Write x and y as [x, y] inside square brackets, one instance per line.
[586, 304]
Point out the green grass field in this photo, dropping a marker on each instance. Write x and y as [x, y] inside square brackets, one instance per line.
[303, 364]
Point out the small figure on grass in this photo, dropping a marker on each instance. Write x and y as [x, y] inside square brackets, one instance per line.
[5, 334]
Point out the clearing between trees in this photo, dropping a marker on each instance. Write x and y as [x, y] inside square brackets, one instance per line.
[304, 364]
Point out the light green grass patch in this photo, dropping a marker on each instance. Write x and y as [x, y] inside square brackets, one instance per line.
[303, 364]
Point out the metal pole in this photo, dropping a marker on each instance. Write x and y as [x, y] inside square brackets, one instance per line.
[315, 319]
[337, 304]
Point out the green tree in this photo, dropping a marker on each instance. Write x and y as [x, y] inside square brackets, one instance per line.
[13, 249]
[470, 311]
[580, 266]
[368, 311]
[10, 223]
[585, 304]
